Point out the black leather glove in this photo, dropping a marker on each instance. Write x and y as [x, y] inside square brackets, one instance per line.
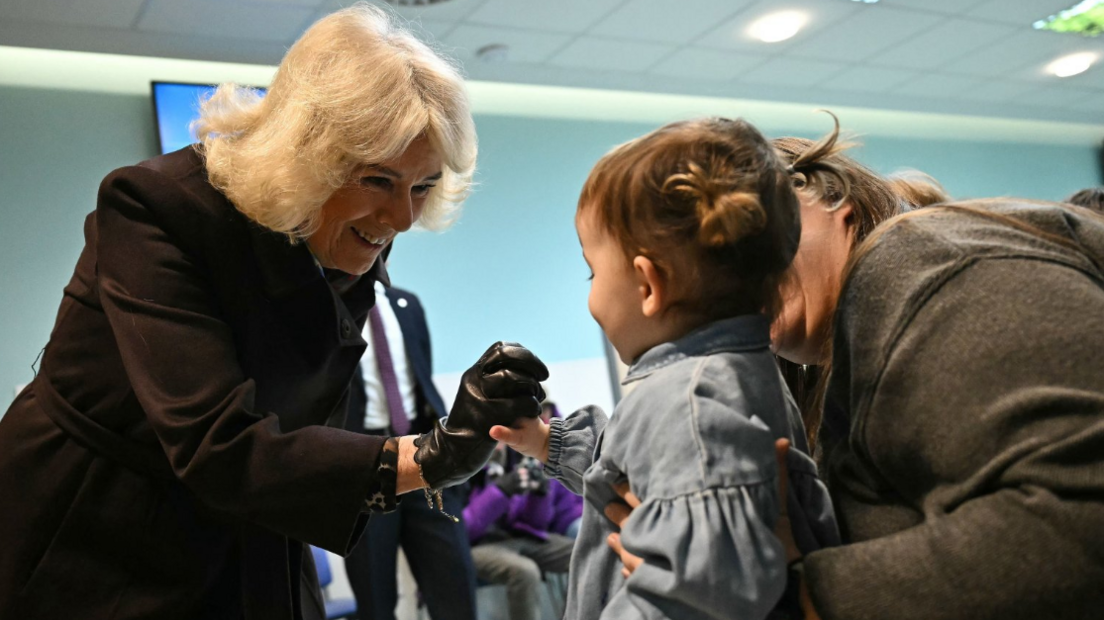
[526, 478]
[536, 479]
[501, 387]
[511, 483]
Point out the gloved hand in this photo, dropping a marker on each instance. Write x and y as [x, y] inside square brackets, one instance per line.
[501, 387]
[537, 480]
[525, 478]
[511, 483]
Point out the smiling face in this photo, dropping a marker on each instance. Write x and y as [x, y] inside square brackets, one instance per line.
[615, 291]
[380, 201]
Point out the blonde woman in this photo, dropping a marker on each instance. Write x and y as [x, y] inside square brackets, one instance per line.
[171, 457]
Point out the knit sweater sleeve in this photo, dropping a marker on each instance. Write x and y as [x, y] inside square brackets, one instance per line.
[971, 483]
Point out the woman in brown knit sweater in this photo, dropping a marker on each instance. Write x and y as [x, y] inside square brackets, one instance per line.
[964, 417]
[963, 422]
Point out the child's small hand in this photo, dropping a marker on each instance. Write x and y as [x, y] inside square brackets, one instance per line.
[528, 436]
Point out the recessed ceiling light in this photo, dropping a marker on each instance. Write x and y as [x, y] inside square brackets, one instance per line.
[1072, 64]
[777, 26]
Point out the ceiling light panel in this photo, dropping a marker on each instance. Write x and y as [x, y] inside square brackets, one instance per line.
[1073, 64]
[778, 27]
[732, 34]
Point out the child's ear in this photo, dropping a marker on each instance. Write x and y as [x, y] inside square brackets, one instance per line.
[652, 284]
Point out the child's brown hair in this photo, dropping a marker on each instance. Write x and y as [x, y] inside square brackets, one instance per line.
[710, 202]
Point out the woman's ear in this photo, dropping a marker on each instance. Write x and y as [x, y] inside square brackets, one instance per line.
[845, 214]
[844, 217]
[652, 285]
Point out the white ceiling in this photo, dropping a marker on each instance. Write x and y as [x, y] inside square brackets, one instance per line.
[974, 57]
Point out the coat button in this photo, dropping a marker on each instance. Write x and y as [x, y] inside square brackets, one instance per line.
[346, 328]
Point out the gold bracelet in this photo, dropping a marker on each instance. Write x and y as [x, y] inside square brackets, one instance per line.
[432, 495]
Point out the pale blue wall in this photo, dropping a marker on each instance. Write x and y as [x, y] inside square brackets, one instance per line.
[979, 169]
[55, 146]
[510, 269]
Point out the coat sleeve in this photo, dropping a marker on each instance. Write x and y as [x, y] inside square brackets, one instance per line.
[181, 361]
[571, 446]
[987, 415]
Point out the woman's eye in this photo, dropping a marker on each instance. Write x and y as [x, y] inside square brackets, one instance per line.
[421, 190]
[379, 182]
[590, 277]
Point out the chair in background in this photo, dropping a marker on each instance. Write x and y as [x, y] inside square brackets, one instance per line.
[338, 607]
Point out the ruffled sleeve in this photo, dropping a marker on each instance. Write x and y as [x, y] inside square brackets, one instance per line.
[571, 446]
[707, 554]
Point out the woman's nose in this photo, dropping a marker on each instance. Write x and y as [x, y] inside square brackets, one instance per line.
[399, 214]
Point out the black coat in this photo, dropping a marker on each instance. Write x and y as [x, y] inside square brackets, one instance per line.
[171, 453]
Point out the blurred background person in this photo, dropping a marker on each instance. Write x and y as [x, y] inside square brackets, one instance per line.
[518, 519]
[393, 394]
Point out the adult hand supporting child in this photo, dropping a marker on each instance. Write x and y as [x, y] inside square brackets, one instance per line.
[783, 529]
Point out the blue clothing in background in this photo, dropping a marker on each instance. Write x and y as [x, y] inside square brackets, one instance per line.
[695, 440]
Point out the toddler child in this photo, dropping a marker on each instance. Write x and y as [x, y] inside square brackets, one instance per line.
[687, 231]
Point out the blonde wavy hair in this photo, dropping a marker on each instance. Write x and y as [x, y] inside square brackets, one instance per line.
[356, 89]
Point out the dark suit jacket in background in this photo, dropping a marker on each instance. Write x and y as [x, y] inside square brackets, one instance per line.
[419, 354]
[436, 547]
[170, 454]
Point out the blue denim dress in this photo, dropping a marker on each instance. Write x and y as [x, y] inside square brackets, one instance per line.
[695, 439]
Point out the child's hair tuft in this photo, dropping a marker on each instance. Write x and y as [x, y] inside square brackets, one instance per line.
[726, 214]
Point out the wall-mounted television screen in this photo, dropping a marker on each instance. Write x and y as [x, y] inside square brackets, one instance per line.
[175, 106]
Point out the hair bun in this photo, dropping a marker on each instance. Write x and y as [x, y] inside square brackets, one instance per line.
[731, 217]
[725, 216]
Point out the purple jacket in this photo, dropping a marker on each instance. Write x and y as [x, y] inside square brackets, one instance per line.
[525, 513]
